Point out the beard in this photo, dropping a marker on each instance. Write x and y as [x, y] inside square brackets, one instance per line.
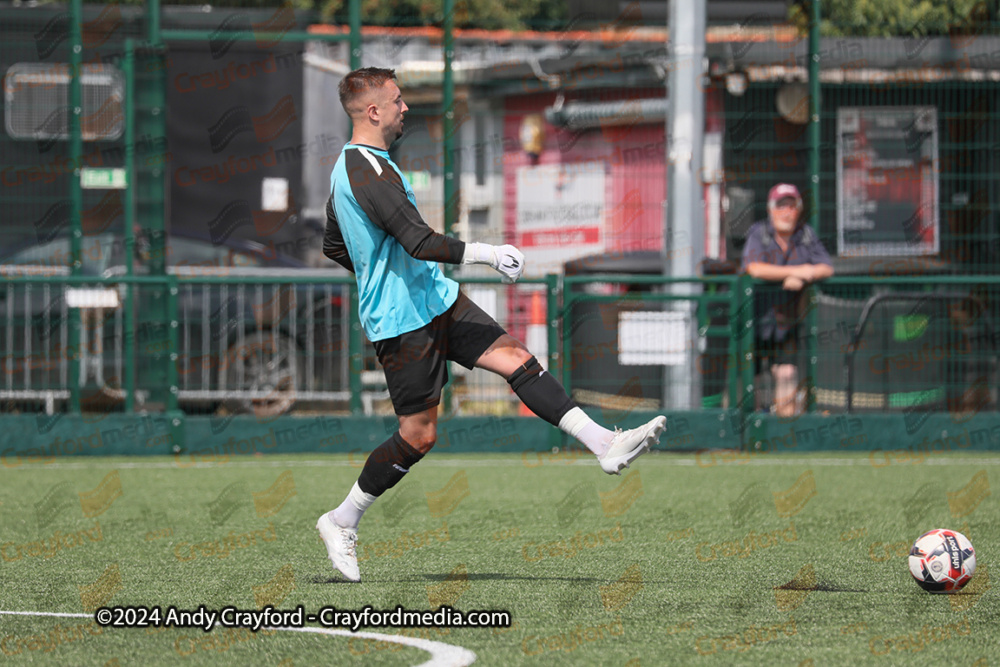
[395, 134]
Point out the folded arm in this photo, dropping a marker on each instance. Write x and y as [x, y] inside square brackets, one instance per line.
[776, 272]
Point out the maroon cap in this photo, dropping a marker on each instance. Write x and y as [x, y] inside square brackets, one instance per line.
[782, 190]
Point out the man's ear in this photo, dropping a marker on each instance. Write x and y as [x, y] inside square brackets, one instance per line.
[372, 112]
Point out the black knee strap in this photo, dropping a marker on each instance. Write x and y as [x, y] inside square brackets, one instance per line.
[387, 464]
[403, 453]
[524, 373]
[541, 393]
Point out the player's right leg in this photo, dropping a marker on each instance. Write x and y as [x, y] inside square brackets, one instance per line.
[383, 469]
[415, 371]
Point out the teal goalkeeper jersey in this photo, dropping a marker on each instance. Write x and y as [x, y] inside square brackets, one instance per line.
[374, 229]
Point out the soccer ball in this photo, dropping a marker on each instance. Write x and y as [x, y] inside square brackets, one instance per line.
[942, 561]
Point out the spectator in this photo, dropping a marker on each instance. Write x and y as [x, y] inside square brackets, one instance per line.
[783, 249]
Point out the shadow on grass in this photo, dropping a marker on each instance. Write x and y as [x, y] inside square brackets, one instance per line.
[486, 576]
[826, 588]
[499, 576]
[330, 580]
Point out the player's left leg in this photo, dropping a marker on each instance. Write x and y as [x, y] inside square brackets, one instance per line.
[547, 398]
[475, 340]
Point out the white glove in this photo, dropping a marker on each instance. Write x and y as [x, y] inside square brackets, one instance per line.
[506, 259]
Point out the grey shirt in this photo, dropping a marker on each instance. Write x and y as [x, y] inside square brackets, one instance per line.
[776, 309]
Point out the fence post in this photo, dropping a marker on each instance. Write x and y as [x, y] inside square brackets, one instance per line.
[354, 19]
[812, 360]
[566, 312]
[173, 317]
[149, 182]
[75, 192]
[153, 21]
[814, 111]
[814, 190]
[130, 343]
[735, 351]
[553, 290]
[176, 418]
[747, 361]
[450, 193]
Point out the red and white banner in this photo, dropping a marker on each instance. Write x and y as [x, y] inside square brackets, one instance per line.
[560, 214]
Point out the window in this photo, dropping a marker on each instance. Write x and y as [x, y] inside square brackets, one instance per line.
[36, 97]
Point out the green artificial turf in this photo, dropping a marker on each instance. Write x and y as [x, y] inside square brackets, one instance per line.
[684, 560]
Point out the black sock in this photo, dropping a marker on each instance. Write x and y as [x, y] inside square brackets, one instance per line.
[387, 464]
[541, 392]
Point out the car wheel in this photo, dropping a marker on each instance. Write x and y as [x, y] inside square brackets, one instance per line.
[265, 363]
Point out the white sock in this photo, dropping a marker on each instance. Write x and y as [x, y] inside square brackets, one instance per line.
[348, 515]
[586, 430]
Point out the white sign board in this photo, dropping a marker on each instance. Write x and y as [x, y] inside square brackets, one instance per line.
[652, 338]
[560, 214]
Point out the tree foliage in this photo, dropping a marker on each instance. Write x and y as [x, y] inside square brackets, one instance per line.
[486, 14]
[896, 18]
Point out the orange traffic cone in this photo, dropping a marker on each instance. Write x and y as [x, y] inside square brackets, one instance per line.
[536, 339]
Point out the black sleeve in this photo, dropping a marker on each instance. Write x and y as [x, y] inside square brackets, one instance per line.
[383, 198]
[333, 243]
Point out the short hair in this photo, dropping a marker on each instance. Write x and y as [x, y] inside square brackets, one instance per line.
[361, 81]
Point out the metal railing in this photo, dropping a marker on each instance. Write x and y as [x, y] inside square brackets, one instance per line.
[291, 342]
[266, 341]
[917, 300]
[898, 344]
[650, 329]
[69, 337]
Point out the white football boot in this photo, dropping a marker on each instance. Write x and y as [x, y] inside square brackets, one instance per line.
[627, 446]
[341, 546]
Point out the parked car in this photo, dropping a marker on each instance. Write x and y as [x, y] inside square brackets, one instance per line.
[253, 344]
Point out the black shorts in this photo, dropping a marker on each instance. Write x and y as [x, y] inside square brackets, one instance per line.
[415, 363]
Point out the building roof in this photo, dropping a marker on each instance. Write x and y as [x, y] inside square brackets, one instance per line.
[550, 59]
[602, 36]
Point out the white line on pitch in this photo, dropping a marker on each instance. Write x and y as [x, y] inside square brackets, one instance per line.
[46, 613]
[536, 461]
[441, 654]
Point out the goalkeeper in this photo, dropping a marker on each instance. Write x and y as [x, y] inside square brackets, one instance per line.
[418, 320]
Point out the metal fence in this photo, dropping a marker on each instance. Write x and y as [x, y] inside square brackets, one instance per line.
[554, 141]
[897, 344]
[897, 176]
[292, 344]
[264, 344]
